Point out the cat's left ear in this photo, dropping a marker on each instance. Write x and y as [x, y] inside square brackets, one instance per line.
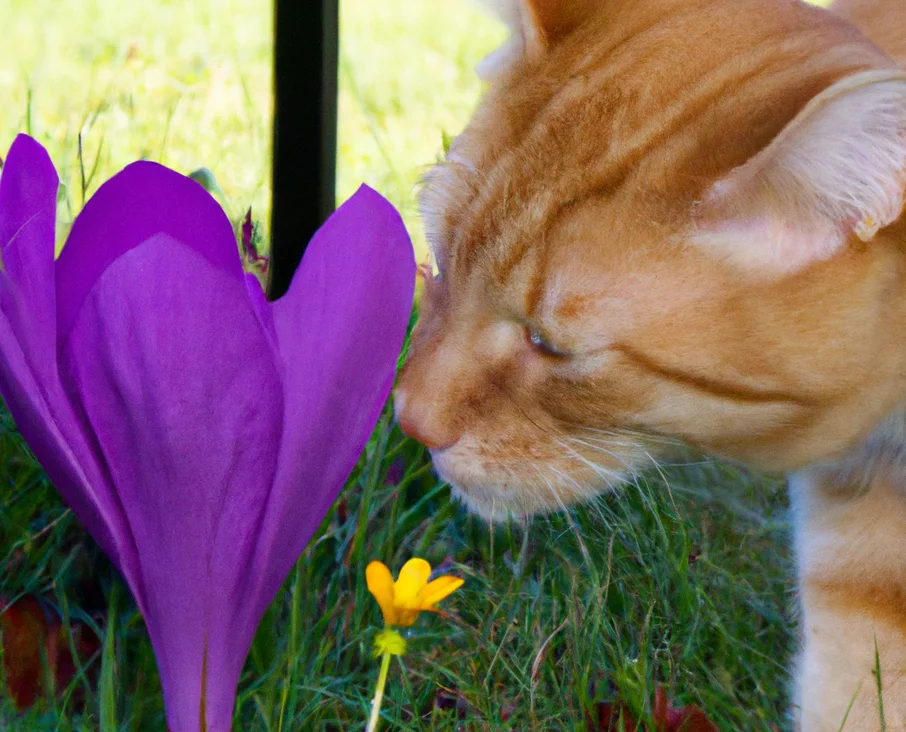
[536, 25]
[837, 170]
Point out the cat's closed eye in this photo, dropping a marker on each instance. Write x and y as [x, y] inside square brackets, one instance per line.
[541, 343]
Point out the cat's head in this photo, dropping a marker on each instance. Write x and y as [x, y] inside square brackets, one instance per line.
[661, 224]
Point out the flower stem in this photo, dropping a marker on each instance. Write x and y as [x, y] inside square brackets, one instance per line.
[379, 693]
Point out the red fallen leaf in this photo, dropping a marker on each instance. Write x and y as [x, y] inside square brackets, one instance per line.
[446, 700]
[28, 631]
[24, 632]
[667, 718]
[59, 652]
[450, 700]
[508, 710]
[251, 241]
[247, 229]
[688, 719]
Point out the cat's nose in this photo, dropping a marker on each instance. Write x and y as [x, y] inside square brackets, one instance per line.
[422, 422]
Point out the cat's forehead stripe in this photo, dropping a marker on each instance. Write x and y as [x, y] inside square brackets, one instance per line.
[566, 142]
[537, 282]
[507, 224]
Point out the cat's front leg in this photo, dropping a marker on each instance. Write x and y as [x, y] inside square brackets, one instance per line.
[851, 552]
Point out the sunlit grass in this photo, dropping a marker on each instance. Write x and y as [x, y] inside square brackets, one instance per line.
[190, 85]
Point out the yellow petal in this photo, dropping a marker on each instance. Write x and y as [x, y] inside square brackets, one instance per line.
[405, 618]
[412, 580]
[380, 584]
[437, 590]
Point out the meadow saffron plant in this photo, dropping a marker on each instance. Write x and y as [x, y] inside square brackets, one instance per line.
[200, 432]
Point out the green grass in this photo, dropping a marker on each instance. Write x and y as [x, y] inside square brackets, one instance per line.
[189, 85]
[681, 580]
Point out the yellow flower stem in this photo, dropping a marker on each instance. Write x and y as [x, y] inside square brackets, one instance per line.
[379, 693]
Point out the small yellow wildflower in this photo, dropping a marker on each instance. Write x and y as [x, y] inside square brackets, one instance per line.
[401, 601]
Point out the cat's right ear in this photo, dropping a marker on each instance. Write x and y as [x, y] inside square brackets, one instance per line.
[838, 170]
[535, 25]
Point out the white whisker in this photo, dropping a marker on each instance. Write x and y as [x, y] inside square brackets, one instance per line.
[569, 518]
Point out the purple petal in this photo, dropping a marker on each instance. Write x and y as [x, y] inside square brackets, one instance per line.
[178, 382]
[28, 208]
[143, 200]
[36, 422]
[340, 329]
[29, 381]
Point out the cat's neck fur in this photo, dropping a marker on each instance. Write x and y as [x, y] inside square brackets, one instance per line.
[850, 540]
[880, 457]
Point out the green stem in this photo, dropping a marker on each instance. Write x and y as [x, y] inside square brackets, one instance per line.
[379, 694]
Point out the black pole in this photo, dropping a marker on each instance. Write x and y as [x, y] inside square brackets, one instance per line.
[306, 49]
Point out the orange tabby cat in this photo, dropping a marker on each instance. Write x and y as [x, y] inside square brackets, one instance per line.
[681, 219]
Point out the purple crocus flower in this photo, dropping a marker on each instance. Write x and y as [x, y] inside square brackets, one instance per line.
[126, 365]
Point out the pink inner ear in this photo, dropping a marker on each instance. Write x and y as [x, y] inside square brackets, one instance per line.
[835, 171]
[769, 245]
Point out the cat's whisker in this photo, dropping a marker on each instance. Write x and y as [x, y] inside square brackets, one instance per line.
[604, 450]
[631, 477]
[580, 489]
[596, 505]
[597, 443]
[634, 436]
[606, 474]
[569, 517]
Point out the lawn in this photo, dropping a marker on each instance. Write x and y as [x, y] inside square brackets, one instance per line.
[683, 580]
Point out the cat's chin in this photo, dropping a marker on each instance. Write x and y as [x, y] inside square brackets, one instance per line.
[499, 496]
[494, 512]
[483, 496]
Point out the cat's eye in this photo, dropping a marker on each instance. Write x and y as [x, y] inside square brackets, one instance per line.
[541, 344]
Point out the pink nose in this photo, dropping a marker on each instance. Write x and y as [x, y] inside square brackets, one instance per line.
[421, 423]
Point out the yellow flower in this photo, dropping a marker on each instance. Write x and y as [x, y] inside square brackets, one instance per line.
[403, 600]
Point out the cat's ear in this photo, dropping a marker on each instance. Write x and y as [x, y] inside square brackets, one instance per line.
[837, 170]
[535, 26]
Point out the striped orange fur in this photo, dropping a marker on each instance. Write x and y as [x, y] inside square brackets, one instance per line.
[678, 221]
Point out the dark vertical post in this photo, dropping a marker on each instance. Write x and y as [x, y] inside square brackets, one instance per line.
[306, 46]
